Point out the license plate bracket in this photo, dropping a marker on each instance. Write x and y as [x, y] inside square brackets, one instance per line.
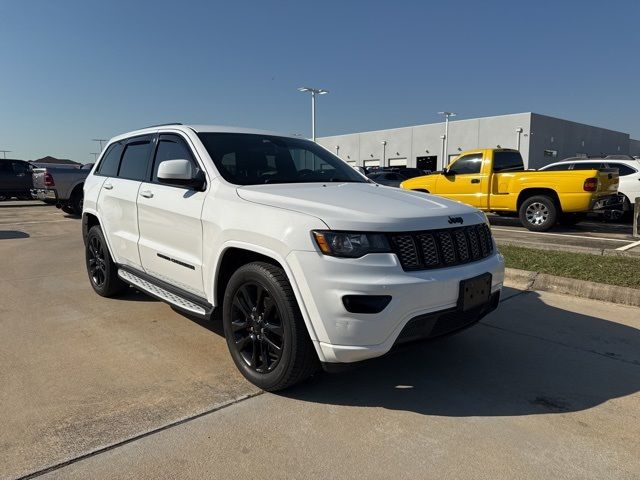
[474, 292]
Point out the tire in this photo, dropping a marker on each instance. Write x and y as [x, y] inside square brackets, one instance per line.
[264, 329]
[538, 213]
[67, 209]
[570, 219]
[76, 201]
[103, 273]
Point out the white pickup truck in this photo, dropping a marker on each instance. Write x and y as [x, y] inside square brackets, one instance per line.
[308, 262]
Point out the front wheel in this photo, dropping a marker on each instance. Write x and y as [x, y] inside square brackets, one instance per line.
[538, 213]
[264, 329]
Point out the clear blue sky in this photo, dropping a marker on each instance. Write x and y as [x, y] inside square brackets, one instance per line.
[76, 70]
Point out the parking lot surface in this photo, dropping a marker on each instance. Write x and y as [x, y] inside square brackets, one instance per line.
[590, 234]
[545, 387]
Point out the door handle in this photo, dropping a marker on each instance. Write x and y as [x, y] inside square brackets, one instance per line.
[107, 186]
[475, 180]
[146, 194]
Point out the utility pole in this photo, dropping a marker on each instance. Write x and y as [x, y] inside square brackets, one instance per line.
[445, 159]
[99, 140]
[313, 92]
[95, 156]
[4, 153]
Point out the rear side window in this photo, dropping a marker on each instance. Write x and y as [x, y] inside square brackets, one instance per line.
[623, 170]
[135, 160]
[172, 147]
[467, 164]
[110, 161]
[589, 166]
[20, 168]
[507, 162]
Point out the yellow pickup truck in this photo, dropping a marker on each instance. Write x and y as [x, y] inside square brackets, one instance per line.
[495, 180]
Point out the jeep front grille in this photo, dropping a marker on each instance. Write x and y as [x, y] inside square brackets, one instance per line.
[442, 248]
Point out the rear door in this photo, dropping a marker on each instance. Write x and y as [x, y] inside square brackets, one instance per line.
[6, 176]
[170, 222]
[22, 176]
[125, 166]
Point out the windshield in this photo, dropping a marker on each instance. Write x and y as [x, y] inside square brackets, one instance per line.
[252, 159]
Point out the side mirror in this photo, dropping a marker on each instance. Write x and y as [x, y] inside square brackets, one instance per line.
[447, 173]
[180, 173]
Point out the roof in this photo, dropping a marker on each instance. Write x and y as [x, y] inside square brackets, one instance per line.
[201, 129]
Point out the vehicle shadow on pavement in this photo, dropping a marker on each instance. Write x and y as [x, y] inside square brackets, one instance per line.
[589, 226]
[526, 358]
[12, 234]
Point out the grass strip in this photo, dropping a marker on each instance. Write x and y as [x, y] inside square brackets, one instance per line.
[621, 271]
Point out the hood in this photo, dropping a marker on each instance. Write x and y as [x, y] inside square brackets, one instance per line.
[363, 206]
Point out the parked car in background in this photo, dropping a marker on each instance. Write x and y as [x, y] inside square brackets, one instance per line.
[307, 261]
[495, 180]
[15, 179]
[389, 179]
[61, 186]
[628, 186]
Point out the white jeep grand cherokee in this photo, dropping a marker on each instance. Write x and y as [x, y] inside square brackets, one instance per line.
[308, 262]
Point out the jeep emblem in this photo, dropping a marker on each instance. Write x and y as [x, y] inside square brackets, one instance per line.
[456, 220]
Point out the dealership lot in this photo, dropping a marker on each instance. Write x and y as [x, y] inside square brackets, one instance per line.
[546, 387]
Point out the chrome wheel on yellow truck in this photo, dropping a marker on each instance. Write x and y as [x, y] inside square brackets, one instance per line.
[538, 213]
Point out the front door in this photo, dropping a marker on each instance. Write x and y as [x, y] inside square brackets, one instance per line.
[464, 181]
[169, 218]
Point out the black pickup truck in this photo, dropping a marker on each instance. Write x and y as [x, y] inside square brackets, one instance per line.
[15, 179]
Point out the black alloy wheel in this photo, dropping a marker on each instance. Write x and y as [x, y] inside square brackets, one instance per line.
[265, 332]
[102, 271]
[257, 327]
[96, 261]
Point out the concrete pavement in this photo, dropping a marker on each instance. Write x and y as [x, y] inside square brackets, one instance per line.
[545, 387]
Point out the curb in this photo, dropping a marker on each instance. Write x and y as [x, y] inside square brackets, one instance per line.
[570, 248]
[526, 280]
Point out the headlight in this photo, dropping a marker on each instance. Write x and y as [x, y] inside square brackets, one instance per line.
[350, 244]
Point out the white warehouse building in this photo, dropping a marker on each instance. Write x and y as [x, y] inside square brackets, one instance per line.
[541, 140]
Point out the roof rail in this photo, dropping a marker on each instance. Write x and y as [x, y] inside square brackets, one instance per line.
[164, 124]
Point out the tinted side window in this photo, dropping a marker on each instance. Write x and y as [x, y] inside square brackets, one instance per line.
[5, 168]
[623, 169]
[172, 147]
[558, 168]
[135, 160]
[507, 162]
[20, 168]
[111, 160]
[589, 166]
[467, 164]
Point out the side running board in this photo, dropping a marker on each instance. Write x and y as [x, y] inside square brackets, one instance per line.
[164, 294]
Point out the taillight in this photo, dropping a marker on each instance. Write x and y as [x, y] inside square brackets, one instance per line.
[48, 180]
[590, 185]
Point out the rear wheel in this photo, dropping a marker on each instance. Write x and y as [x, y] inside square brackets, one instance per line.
[264, 329]
[103, 272]
[538, 213]
[76, 201]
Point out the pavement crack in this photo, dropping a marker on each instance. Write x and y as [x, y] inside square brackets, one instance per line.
[126, 441]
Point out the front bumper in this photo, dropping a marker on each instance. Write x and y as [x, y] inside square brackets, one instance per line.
[349, 337]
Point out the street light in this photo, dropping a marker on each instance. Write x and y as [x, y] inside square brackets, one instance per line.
[519, 131]
[445, 159]
[384, 153]
[4, 153]
[314, 92]
[99, 140]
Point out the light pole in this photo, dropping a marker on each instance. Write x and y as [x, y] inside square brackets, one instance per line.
[95, 156]
[442, 147]
[4, 153]
[337, 150]
[445, 159]
[99, 140]
[314, 92]
[384, 153]
[519, 132]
